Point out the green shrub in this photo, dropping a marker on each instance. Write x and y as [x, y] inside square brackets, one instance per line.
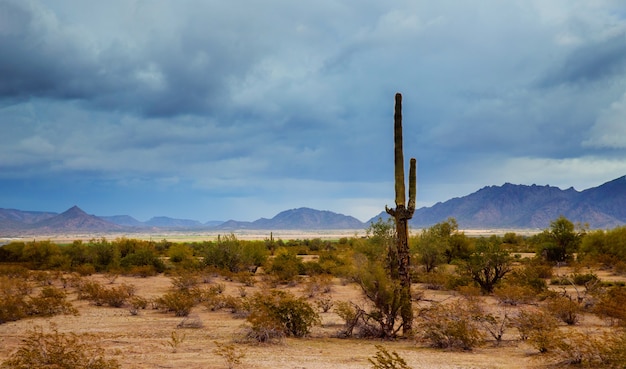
[57, 351]
[178, 302]
[276, 314]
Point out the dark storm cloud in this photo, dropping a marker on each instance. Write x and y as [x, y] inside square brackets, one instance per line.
[278, 104]
[589, 63]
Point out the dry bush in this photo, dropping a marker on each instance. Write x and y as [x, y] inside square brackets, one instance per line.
[136, 303]
[318, 284]
[513, 294]
[14, 271]
[185, 281]
[50, 301]
[143, 271]
[588, 349]
[324, 304]
[451, 326]
[13, 293]
[229, 353]
[564, 309]
[57, 351]
[99, 295]
[383, 359]
[178, 302]
[610, 305]
[351, 315]
[539, 328]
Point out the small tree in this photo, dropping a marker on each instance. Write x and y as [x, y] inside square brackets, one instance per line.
[488, 264]
[562, 240]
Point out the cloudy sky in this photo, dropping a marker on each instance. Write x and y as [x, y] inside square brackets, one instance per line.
[217, 110]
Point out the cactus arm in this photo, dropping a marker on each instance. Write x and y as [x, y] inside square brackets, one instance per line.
[412, 187]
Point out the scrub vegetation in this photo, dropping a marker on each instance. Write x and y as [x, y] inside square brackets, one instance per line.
[554, 298]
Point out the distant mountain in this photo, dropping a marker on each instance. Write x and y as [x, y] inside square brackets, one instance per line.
[302, 218]
[74, 220]
[123, 220]
[166, 222]
[521, 206]
[13, 218]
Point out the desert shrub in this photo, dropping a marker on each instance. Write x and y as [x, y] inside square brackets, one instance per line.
[538, 328]
[234, 304]
[276, 314]
[178, 302]
[56, 350]
[13, 293]
[318, 284]
[50, 301]
[324, 304]
[532, 275]
[513, 294]
[451, 326]
[610, 305]
[286, 266]
[589, 349]
[564, 309]
[142, 271]
[246, 278]
[494, 323]
[184, 281]
[175, 340]
[99, 295]
[84, 269]
[351, 315]
[14, 271]
[383, 359]
[229, 353]
[136, 303]
[584, 279]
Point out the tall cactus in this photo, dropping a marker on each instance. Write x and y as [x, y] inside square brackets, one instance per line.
[402, 213]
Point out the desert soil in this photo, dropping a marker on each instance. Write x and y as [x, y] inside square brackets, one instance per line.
[143, 340]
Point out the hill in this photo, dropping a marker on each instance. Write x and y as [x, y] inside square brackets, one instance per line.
[301, 218]
[74, 220]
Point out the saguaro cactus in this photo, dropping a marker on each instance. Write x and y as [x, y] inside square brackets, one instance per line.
[402, 213]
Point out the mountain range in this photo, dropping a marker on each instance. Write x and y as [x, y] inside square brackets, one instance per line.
[506, 206]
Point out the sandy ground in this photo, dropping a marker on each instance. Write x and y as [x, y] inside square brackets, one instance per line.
[142, 341]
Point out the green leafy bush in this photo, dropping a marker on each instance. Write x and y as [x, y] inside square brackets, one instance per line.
[276, 314]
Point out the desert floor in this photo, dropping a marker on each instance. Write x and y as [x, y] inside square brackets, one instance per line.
[144, 340]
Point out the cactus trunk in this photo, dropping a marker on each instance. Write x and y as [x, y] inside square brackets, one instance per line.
[402, 213]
